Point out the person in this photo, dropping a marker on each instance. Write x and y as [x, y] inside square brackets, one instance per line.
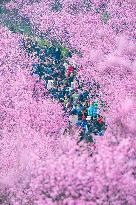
[81, 137]
[65, 100]
[79, 116]
[81, 97]
[42, 54]
[50, 84]
[37, 50]
[75, 96]
[70, 78]
[100, 119]
[49, 70]
[57, 54]
[90, 126]
[92, 111]
[34, 67]
[72, 85]
[89, 138]
[84, 113]
[84, 123]
[88, 118]
[70, 69]
[85, 94]
[73, 118]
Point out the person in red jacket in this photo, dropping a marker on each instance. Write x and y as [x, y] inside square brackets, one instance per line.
[100, 120]
[70, 69]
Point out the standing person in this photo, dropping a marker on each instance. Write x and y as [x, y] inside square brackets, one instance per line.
[88, 122]
[79, 112]
[81, 97]
[72, 85]
[42, 54]
[58, 54]
[93, 110]
[83, 126]
[100, 124]
[75, 95]
[73, 119]
[70, 69]
[86, 94]
[50, 84]
[84, 113]
[82, 136]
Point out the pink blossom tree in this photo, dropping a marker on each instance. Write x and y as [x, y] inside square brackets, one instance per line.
[28, 127]
[71, 176]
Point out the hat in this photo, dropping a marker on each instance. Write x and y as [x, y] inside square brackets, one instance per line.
[88, 118]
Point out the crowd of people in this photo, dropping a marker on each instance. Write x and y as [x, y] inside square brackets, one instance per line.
[61, 81]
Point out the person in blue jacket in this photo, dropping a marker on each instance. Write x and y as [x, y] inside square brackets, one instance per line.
[93, 110]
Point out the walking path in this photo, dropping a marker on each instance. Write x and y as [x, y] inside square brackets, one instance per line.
[78, 100]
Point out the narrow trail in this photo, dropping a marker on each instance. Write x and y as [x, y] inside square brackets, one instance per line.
[81, 102]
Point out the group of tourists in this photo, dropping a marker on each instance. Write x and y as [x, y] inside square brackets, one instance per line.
[61, 81]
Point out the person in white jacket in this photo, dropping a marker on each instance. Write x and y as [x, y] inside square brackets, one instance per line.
[50, 84]
[73, 119]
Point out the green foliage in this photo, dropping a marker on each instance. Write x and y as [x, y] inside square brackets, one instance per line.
[65, 52]
[15, 22]
[19, 24]
[42, 43]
